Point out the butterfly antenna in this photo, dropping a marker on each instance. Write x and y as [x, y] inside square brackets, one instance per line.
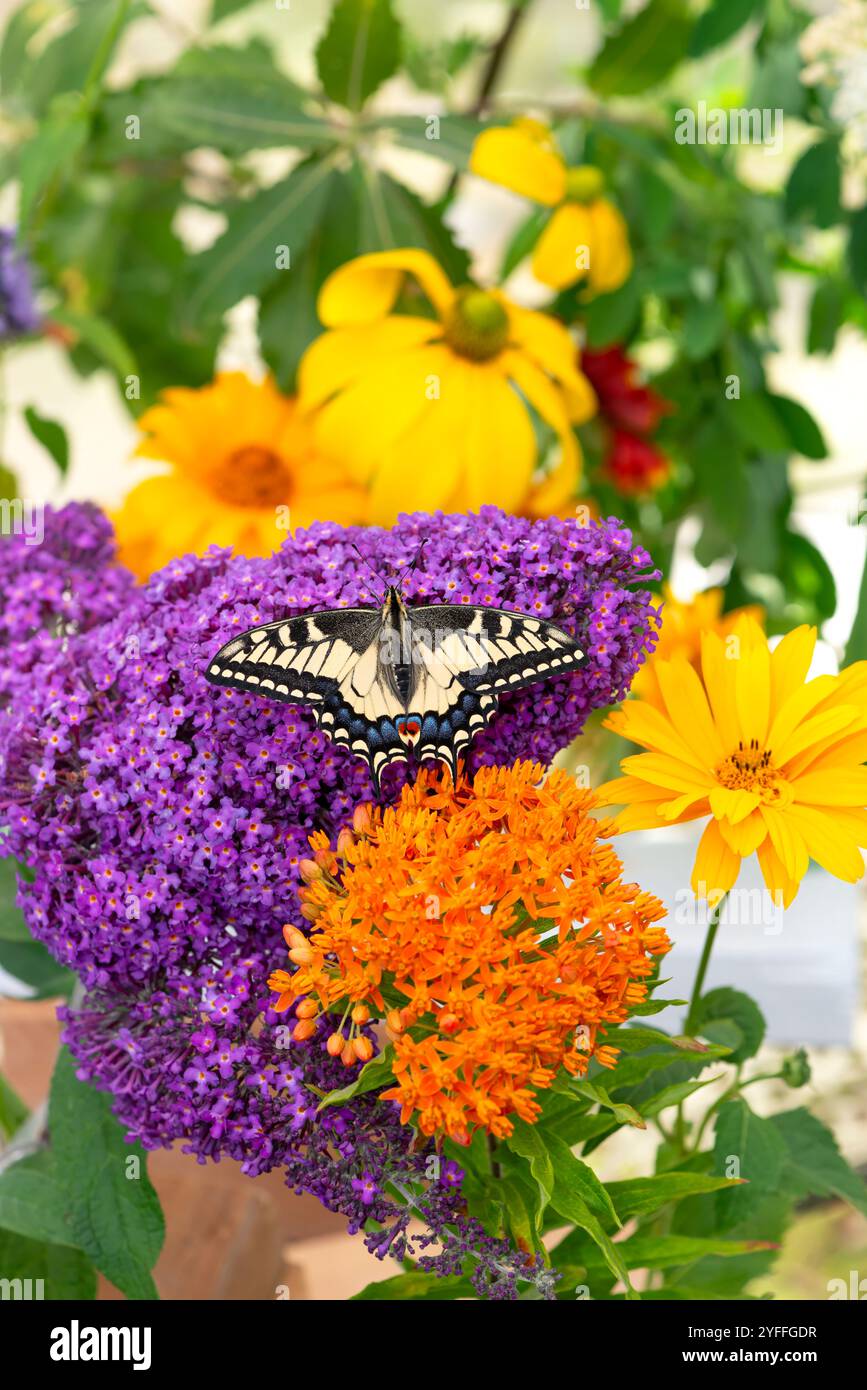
[368, 567]
[413, 562]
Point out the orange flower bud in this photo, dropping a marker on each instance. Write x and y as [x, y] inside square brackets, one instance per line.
[292, 936]
[363, 1049]
[449, 1023]
[309, 870]
[307, 1008]
[347, 1056]
[345, 841]
[302, 955]
[304, 1029]
[394, 1021]
[360, 1014]
[361, 818]
[310, 912]
[335, 1044]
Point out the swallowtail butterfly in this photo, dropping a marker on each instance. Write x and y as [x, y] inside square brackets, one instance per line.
[392, 680]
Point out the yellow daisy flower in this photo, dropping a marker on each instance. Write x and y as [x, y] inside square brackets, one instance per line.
[681, 633]
[244, 470]
[587, 236]
[430, 412]
[773, 759]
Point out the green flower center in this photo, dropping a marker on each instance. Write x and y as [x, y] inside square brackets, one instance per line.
[477, 325]
[584, 183]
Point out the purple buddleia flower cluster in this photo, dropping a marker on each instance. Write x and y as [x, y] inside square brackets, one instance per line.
[164, 821]
[17, 308]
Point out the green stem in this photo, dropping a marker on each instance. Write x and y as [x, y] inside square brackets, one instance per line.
[94, 77]
[698, 985]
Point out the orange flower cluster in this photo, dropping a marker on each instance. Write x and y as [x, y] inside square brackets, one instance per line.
[488, 925]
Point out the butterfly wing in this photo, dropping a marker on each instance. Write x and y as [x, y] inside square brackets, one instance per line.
[463, 659]
[330, 661]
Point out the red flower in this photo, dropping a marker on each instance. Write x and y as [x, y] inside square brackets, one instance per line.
[633, 465]
[625, 403]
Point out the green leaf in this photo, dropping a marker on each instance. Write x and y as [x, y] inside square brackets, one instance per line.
[703, 326]
[827, 312]
[13, 1111]
[50, 435]
[856, 647]
[580, 1197]
[221, 9]
[661, 1252]
[64, 1272]
[643, 51]
[12, 924]
[814, 1165]
[245, 258]
[233, 99]
[100, 336]
[391, 216]
[32, 964]
[755, 419]
[115, 1218]
[610, 318]
[419, 1287]
[360, 49]
[804, 434]
[626, 1114]
[813, 189]
[33, 1200]
[529, 1143]
[720, 22]
[373, 1075]
[857, 252]
[751, 1148]
[730, 1005]
[520, 1209]
[51, 152]
[642, 1196]
[451, 139]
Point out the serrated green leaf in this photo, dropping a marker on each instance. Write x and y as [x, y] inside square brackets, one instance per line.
[731, 1005]
[50, 435]
[244, 259]
[115, 1218]
[814, 1165]
[751, 1148]
[360, 49]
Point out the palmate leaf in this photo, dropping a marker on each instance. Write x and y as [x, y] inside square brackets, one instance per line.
[245, 259]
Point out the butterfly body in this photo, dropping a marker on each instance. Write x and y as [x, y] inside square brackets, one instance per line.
[390, 681]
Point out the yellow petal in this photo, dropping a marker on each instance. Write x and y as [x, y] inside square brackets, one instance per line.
[788, 842]
[644, 724]
[496, 441]
[745, 836]
[365, 289]
[719, 682]
[828, 843]
[790, 662]
[689, 711]
[811, 732]
[716, 865]
[780, 884]
[551, 347]
[753, 693]
[734, 805]
[512, 157]
[564, 251]
[796, 708]
[610, 256]
[334, 359]
[560, 484]
[668, 772]
[841, 787]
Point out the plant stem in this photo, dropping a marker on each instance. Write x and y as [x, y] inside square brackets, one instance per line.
[499, 53]
[698, 985]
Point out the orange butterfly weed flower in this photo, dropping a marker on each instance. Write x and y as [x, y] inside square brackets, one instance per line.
[488, 924]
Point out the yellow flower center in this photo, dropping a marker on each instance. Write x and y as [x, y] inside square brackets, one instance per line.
[252, 476]
[584, 183]
[751, 770]
[477, 325]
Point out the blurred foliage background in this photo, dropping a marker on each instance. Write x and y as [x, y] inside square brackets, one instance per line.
[340, 150]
